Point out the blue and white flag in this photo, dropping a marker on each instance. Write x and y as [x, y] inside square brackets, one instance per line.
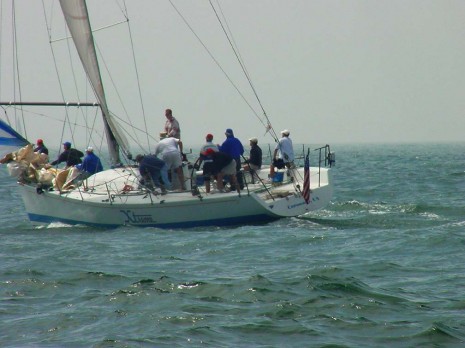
[10, 140]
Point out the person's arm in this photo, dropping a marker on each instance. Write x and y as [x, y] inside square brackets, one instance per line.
[61, 158]
[174, 128]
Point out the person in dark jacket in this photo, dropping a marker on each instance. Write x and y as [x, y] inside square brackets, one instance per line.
[151, 168]
[233, 147]
[70, 155]
[254, 162]
[40, 147]
[222, 164]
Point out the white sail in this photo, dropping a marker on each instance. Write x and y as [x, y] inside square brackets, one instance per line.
[77, 19]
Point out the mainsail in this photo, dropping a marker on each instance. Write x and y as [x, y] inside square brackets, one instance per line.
[10, 140]
[77, 19]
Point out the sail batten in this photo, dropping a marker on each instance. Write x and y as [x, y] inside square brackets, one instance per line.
[77, 20]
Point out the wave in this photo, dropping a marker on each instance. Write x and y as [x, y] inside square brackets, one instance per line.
[381, 215]
[440, 333]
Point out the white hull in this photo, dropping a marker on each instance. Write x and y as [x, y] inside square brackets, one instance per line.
[108, 206]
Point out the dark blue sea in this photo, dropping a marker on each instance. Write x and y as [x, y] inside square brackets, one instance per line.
[382, 266]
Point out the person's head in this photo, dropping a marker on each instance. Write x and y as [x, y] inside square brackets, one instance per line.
[229, 132]
[67, 145]
[89, 149]
[209, 137]
[253, 141]
[168, 113]
[40, 142]
[163, 135]
[139, 158]
[285, 133]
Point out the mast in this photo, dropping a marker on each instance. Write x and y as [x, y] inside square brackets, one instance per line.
[77, 20]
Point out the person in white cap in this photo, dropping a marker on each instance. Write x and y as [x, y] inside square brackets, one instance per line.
[91, 164]
[283, 155]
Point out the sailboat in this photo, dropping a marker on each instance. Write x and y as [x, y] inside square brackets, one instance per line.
[115, 197]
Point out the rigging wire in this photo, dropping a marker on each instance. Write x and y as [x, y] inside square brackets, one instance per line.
[73, 123]
[49, 30]
[137, 73]
[72, 69]
[129, 123]
[134, 137]
[216, 61]
[235, 49]
[16, 64]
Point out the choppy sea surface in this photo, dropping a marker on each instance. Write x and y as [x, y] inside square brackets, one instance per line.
[382, 266]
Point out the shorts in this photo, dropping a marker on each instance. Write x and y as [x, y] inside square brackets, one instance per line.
[254, 167]
[172, 160]
[279, 163]
[207, 170]
[230, 169]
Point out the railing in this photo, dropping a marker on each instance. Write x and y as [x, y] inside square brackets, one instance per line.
[325, 158]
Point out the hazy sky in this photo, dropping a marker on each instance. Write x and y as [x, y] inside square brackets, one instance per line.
[329, 71]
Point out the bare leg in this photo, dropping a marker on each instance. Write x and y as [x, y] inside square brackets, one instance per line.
[233, 183]
[219, 181]
[271, 171]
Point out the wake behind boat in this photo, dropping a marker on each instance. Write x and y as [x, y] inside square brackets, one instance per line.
[116, 196]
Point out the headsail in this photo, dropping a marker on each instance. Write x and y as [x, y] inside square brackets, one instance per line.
[10, 140]
[77, 19]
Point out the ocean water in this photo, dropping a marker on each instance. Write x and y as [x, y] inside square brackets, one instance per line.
[382, 266]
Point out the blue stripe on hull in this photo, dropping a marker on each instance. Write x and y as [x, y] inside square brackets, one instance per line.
[252, 220]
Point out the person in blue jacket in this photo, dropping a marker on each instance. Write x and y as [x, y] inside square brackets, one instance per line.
[234, 148]
[91, 164]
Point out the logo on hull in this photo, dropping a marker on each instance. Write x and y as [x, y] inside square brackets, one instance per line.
[133, 218]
